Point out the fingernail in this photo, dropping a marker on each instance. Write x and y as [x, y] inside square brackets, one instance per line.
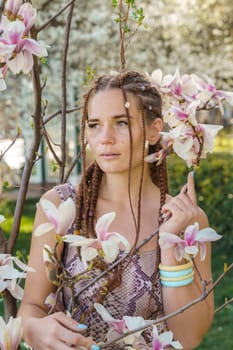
[95, 347]
[81, 326]
[193, 173]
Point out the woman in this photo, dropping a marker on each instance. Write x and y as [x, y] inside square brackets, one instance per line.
[122, 123]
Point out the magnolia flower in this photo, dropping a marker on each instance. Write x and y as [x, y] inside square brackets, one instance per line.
[60, 218]
[9, 275]
[188, 246]
[107, 242]
[28, 13]
[11, 8]
[18, 49]
[118, 327]
[164, 340]
[10, 333]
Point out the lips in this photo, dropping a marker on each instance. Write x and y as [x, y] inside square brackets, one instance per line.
[109, 155]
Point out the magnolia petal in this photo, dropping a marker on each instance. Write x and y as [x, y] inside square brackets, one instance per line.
[179, 252]
[3, 285]
[176, 344]
[228, 96]
[16, 64]
[103, 224]
[82, 242]
[66, 215]
[88, 254]
[120, 239]
[28, 62]
[166, 338]
[34, 47]
[8, 272]
[133, 322]
[156, 77]
[102, 311]
[167, 240]
[191, 250]
[43, 228]
[15, 330]
[207, 235]
[21, 265]
[202, 250]
[50, 210]
[110, 249]
[16, 292]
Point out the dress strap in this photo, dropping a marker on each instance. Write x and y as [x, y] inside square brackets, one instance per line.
[65, 191]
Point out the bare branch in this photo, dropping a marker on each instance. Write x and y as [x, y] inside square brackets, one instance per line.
[55, 114]
[64, 92]
[11, 144]
[43, 26]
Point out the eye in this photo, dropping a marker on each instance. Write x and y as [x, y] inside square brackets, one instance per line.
[122, 123]
[92, 125]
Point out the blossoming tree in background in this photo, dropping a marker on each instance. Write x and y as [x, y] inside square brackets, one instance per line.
[183, 96]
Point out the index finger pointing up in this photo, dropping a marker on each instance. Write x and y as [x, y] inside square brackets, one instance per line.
[191, 187]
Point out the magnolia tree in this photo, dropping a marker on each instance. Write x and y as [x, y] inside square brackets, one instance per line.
[21, 51]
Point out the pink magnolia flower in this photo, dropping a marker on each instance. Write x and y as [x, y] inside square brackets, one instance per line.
[10, 333]
[209, 95]
[28, 13]
[164, 340]
[19, 50]
[118, 327]
[188, 246]
[60, 218]
[9, 275]
[12, 7]
[106, 242]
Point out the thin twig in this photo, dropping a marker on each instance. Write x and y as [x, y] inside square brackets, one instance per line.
[11, 144]
[43, 26]
[228, 302]
[55, 114]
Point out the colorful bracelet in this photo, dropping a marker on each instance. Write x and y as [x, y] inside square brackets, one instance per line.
[173, 274]
[176, 276]
[175, 279]
[174, 284]
[176, 267]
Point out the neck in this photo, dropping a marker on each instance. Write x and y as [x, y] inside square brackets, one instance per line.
[115, 187]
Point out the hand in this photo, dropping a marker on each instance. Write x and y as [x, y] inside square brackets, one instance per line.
[181, 210]
[56, 331]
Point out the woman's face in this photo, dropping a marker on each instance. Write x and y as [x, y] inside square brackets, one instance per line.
[108, 132]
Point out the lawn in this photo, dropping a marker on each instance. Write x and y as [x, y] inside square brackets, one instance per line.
[214, 184]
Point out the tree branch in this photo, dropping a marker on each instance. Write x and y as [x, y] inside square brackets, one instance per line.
[64, 92]
[43, 26]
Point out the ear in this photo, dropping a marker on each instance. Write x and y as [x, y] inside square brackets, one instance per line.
[153, 131]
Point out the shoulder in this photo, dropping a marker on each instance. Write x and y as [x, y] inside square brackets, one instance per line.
[60, 193]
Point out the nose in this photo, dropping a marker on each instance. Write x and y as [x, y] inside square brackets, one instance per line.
[107, 135]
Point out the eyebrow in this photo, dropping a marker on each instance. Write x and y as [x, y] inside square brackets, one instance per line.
[118, 116]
